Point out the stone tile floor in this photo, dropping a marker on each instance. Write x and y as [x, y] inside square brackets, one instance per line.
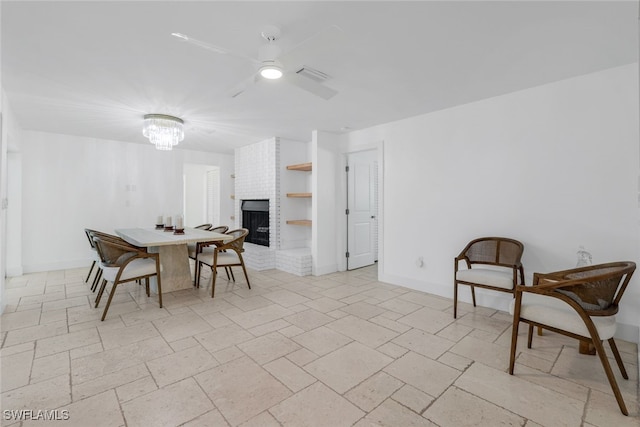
[336, 350]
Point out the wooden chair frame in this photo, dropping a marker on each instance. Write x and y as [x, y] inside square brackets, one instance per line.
[236, 245]
[549, 285]
[118, 254]
[495, 258]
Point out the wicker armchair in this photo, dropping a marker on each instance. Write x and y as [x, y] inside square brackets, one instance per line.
[121, 263]
[580, 303]
[224, 255]
[96, 260]
[492, 263]
[193, 249]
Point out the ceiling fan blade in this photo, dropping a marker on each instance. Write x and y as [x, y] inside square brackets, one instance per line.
[324, 39]
[310, 86]
[241, 87]
[212, 48]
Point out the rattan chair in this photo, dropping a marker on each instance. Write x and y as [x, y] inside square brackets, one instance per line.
[580, 303]
[121, 263]
[193, 249]
[228, 254]
[95, 263]
[492, 263]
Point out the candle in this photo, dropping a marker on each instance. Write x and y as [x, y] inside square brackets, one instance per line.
[179, 222]
[168, 223]
[159, 220]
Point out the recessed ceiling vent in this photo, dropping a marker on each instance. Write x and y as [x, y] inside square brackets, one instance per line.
[313, 74]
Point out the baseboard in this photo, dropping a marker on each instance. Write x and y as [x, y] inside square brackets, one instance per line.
[326, 269]
[15, 271]
[53, 266]
[495, 300]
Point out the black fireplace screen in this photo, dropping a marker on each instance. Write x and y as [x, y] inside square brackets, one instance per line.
[255, 218]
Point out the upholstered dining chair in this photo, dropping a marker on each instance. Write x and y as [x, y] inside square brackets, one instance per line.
[491, 263]
[94, 262]
[580, 303]
[227, 254]
[90, 235]
[121, 263]
[194, 248]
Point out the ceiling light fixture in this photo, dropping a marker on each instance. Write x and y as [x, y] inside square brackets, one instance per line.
[163, 131]
[271, 70]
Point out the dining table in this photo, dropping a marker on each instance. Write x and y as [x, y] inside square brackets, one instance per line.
[174, 254]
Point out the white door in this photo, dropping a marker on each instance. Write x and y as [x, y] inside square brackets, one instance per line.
[361, 209]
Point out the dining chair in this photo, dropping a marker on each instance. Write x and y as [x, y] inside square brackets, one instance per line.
[194, 248]
[121, 263]
[90, 235]
[580, 303]
[227, 254]
[95, 263]
[491, 263]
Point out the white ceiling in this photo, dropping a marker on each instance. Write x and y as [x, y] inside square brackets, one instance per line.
[94, 68]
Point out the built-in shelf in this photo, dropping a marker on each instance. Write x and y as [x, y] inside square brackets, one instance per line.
[300, 167]
[305, 222]
[298, 195]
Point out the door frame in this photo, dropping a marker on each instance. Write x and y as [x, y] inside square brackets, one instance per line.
[342, 198]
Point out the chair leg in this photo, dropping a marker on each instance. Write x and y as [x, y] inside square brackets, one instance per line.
[616, 354]
[198, 273]
[90, 270]
[146, 284]
[226, 270]
[159, 290]
[214, 273]
[612, 379]
[514, 333]
[231, 271]
[100, 292]
[246, 276]
[473, 295]
[455, 299]
[530, 336]
[96, 279]
[106, 307]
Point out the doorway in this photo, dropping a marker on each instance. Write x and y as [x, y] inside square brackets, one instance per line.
[362, 209]
[201, 195]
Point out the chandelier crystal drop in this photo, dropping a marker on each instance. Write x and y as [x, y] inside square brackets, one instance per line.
[163, 131]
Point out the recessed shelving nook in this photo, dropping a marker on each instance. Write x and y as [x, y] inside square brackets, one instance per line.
[302, 167]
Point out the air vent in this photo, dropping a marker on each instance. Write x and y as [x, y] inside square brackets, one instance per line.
[313, 74]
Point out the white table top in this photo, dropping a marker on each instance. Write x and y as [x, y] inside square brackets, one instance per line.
[148, 237]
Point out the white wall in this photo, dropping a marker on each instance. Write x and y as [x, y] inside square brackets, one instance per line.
[326, 246]
[556, 167]
[10, 230]
[70, 183]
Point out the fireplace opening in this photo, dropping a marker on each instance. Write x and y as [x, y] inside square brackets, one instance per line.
[255, 218]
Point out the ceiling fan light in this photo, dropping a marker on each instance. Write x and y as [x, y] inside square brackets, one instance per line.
[271, 71]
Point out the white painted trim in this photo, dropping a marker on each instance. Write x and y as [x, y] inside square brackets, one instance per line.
[53, 266]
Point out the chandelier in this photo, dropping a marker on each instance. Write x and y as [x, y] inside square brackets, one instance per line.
[163, 131]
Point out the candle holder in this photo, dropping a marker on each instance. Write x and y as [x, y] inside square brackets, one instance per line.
[159, 226]
[179, 231]
[168, 228]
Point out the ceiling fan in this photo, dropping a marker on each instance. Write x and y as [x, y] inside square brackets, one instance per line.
[273, 64]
